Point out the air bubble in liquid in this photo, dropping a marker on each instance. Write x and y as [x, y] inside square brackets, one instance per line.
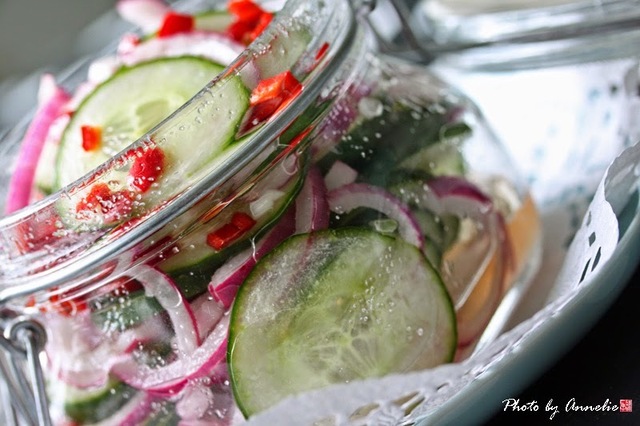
[370, 107]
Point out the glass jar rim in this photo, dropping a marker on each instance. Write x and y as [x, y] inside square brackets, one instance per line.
[334, 20]
[527, 35]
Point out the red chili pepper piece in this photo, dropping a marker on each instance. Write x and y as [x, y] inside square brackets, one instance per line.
[30, 302]
[71, 307]
[299, 138]
[229, 232]
[91, 137]
[99, 193]
[67, 306]
[243, 221]
[262, 111]
[269, 96]
[238, 29]
[262, 23]
[223, 236]
[34, 235]
[113, 205]
[122, 286]
[245, 10]
[175, 23]
[146, 168]
[250, 20]
[322, 51]
[281, 87]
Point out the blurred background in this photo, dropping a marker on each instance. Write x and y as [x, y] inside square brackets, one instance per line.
[45, 35]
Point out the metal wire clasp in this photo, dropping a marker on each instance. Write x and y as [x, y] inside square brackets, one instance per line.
[401, 41]
[23, 388]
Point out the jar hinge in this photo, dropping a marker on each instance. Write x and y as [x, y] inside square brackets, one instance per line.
[405, 43]
[23, 390]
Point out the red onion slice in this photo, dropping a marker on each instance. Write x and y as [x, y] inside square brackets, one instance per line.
[340, 119]
[214, 46]
[208, 312]
[151, 330]
[146, 14]
[312, 207]
[21, 183]
[89, 353]
[455, 195]
[160, 286]
[351, 196]
[171, 379]
[77, 338]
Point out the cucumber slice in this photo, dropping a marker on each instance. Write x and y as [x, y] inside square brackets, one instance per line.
[283, 51]
[45, 177]
[372, 147]
[137, 98]
[332, 307]
[440, 230]
[441, 159]
[213, 20]
[194, 261]
[92, 406]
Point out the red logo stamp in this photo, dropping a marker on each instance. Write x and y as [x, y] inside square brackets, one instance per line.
[626, 405]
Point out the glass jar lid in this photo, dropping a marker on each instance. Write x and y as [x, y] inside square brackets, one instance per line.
[521, 34]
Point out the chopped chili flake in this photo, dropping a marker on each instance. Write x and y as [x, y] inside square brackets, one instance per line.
[245, 10]
[243, 221]
[322, 51]
[268, 97]
[34, 235]
[238, 29]
[71, 307]
[299, 138]
[121, 286]
[146, 168]
[99, 193]
[262, 111]
[223, 236]
[280, 86]
[250, 20]
[262, 23]
[113, 205]
[229, 232]
[67, 306]
[91, 137]
[175, 23]
[31, 302]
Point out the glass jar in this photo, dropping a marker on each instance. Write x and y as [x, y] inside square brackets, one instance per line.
[558, 81]
[157, 272]
[558, 78]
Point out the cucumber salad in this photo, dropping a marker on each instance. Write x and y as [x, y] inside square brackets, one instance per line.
[371, 247]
